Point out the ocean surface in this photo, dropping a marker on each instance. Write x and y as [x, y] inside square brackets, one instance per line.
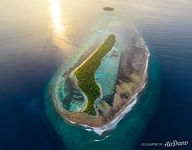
[38, 36]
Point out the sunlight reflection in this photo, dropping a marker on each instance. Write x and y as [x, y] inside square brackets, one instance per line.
[56, 16]
[59, 34]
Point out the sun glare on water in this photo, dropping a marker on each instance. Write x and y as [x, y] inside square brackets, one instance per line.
[56, 17]
[57, 25]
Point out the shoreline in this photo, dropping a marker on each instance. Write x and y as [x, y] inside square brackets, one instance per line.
[113, 114]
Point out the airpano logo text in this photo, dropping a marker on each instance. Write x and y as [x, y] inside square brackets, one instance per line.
[176, 143]
[167, 144]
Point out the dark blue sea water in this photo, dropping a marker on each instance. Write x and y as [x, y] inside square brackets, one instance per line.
[28, 59]
[171, 40]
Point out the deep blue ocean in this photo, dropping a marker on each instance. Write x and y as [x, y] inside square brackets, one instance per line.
[28, 60]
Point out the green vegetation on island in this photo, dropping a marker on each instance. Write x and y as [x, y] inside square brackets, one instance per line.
[85, 74]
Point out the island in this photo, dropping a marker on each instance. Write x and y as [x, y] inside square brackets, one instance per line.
[108, 8]
[102, 85]
[85, 73]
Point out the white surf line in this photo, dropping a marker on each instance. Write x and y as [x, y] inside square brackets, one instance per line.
[102, 139]
[113, 123]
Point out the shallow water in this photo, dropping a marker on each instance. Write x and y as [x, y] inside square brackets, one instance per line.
[37, 36]
[106, 74]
